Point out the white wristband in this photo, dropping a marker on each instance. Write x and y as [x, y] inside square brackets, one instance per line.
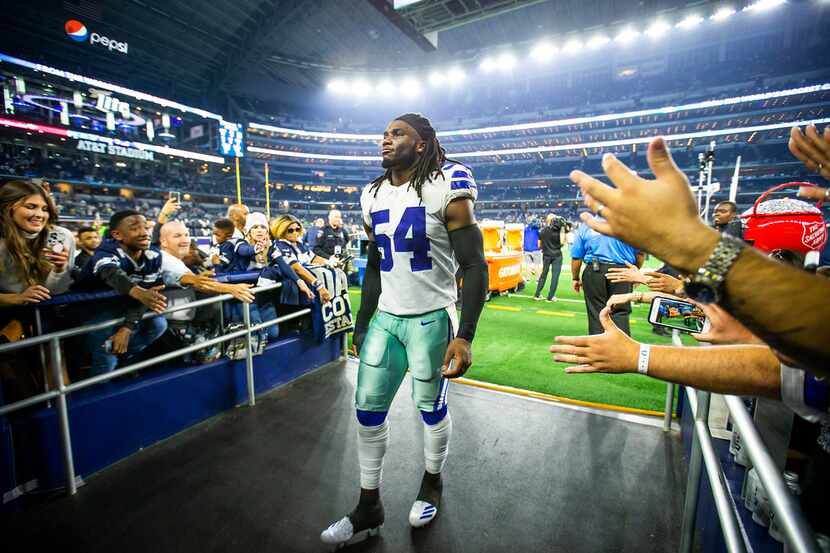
[642, 358]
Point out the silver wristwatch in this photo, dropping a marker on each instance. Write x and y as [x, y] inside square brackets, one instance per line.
[706, 285]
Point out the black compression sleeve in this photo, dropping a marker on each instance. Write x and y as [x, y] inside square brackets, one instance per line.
[370, 292]
[468, 246]
[117, 279]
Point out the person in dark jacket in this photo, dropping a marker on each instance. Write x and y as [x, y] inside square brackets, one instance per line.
[726, 219]
[88, 242]
[229, 254]
[314, 232]
[333, 239]
[550, 240]
[126, 263]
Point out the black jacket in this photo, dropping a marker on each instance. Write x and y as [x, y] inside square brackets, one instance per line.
[549, 237]
[329, 239]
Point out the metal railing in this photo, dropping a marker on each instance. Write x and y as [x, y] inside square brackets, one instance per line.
[798, 534]
[59, 395]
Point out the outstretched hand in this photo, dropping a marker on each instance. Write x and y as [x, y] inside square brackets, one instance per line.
[610, 352]
[629, 273]
[152, 298]
[678, 236]
[812, 148]
[661, 282]
[619, 300]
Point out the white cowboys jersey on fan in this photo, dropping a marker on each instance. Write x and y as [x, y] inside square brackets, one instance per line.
[417, 265]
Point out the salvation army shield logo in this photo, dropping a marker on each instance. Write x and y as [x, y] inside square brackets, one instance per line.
[814, 235]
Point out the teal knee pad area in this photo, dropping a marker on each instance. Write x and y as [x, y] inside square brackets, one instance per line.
[382, 367]
[394, 344]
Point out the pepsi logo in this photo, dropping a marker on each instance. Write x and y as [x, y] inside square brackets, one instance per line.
[76, 30]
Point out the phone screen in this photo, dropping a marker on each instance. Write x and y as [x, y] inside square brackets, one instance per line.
[174, 195]
[677, 314]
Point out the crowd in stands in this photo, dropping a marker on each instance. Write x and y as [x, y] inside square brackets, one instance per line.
[147, 261]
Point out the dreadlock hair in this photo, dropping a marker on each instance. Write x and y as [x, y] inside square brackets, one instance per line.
[428, 165]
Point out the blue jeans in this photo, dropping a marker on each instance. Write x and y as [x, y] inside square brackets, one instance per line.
[147, 332]
[267, 312]
[233, 312]
[259, 313]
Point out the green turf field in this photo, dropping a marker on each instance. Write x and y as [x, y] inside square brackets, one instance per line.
[511, 348]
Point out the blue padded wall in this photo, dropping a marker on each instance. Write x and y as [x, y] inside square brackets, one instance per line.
[114, 420]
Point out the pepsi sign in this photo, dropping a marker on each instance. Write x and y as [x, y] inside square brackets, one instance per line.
[78, 32]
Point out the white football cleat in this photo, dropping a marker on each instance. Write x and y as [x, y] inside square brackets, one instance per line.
[341, 533]
[422, 513]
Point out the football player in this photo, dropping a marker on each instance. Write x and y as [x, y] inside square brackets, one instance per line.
[421, 226]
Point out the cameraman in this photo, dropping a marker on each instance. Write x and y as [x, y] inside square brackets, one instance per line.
[550, 240]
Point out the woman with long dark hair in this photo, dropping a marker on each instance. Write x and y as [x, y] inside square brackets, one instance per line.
[34, 251]
[35, 257]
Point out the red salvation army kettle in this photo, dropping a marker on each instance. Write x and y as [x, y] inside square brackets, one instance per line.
[785, 223]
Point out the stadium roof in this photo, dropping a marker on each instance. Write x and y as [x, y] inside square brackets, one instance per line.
[198, 51]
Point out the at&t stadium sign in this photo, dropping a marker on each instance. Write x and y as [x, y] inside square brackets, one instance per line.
[114, 150]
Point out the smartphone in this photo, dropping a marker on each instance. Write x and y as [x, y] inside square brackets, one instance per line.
[54, 243]
[174, 195]
[677, 315]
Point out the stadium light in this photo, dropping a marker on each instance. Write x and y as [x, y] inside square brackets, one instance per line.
[690, 22]
[505, 62]
[764, 5]
[436, 78]
[598, 41]
[657, 29]
[573, 46]
[626, 36]
[386, 88]
[544, 51]
[723, 14]
[337, 86]
[410, 87]
[361, 87]
[488, 64]
[456, 76]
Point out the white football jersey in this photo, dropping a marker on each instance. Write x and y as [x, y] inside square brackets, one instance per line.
[417, 268]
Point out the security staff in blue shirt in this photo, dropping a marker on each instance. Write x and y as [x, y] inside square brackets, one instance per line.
[600, 253]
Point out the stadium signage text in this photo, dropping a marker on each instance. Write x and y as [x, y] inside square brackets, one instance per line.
[509, 271]
[78, 32]
[337, 315]
[114, 150]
